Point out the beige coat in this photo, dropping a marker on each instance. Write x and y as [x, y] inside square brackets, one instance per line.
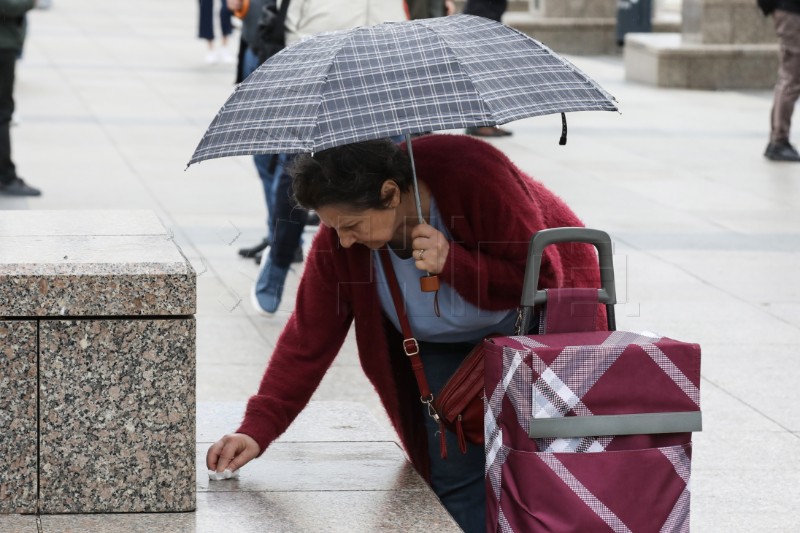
[307, 17]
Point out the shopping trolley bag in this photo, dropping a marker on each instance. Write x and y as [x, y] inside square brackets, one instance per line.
[587, 431]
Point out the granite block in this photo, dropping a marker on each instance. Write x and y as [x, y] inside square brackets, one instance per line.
[319, 466]
[94, 276]
[117, 415]
[91, 263]
[577, 36]
[725, 22]
[574, 8]
[279, 512]
[665, 60]
[18, 417]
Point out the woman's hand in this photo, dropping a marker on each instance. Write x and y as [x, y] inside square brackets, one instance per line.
[430, 248]
[232, 452]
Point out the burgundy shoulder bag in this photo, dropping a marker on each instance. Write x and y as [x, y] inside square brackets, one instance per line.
[459, 405]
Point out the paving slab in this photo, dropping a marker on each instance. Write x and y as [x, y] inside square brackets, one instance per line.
[320, 421]
[280, 512]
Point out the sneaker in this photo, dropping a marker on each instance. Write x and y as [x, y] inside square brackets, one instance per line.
[211, 57]
[254, 250]
[17, 187]
[781, 151]
[268, 288]
[227, 57]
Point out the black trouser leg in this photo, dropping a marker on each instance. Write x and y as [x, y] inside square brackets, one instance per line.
[8, 61]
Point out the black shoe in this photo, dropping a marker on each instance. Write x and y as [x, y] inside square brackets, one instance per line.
[17, 187]
[313, 219]
[253, 250]
[781, 151]
[298, 256]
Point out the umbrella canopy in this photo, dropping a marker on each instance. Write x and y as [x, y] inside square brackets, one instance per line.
[396, 78]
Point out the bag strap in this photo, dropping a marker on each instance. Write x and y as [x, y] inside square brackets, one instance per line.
[284, 9]
[410, 344]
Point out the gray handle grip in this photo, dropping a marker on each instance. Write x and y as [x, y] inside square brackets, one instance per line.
[532, 296]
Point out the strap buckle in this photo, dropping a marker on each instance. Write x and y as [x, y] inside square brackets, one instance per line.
[410, 346]
[429, 404]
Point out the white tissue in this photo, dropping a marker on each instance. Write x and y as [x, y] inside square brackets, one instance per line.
[226, 474]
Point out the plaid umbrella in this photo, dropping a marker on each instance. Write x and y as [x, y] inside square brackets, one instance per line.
[396, 78]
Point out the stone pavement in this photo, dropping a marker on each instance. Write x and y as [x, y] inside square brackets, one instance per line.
[113, 97]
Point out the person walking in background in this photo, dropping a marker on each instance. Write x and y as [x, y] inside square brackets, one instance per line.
[206, 31]
[12, 36]
[490, 9]
[287, 221]
[266, 164]
[787, 88]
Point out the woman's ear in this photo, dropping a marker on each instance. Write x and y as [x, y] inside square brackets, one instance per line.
[390, 194]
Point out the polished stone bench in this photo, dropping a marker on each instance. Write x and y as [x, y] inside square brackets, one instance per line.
[336, 470]
[97, 364]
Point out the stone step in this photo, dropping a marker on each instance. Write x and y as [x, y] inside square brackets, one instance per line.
[581, 36]
[667, 60]
[513, 5]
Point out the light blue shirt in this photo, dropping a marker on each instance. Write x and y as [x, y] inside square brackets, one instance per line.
[460, 321]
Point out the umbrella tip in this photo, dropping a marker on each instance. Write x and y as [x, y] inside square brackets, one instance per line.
[563, 140]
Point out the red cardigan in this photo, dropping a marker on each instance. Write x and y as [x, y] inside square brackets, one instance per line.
[491, 209]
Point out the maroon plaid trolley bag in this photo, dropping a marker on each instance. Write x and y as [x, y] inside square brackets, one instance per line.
[587, 431]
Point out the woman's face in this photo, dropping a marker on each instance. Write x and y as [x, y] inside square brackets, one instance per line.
[371, 227]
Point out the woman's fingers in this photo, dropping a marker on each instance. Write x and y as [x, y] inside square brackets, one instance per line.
[430, 248]
[212, 456]
[231, 452]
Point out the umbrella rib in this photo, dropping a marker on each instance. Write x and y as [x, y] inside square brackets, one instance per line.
[324, 82]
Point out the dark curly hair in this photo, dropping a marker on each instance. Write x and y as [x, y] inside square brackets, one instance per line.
[350, 175]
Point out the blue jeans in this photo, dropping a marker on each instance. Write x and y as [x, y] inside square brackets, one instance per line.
[267, 165]
[288, 220]
[458, 481]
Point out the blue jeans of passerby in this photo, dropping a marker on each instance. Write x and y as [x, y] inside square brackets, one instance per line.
[249, 62]
[266, 164]
[289, 220]
[458, 481]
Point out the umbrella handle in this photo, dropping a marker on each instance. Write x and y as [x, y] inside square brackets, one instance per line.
[429, 283]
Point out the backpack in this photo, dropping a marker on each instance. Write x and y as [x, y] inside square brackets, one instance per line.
[767, 6]
[271, 34]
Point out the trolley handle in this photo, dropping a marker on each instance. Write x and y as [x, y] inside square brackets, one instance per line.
[532, 296]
